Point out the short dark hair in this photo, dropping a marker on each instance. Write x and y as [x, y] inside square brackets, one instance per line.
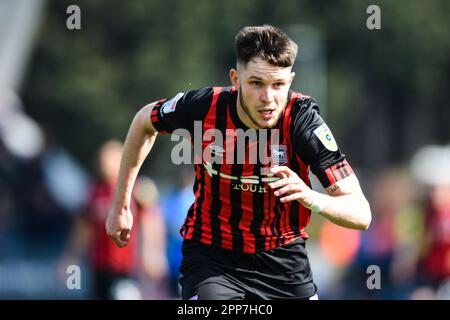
[267, 42]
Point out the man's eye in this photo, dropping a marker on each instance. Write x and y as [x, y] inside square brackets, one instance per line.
[278, 84]
[256, 83]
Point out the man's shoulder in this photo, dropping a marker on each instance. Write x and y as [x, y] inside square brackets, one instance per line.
[204, 96]
[208, 91]
[303, 103]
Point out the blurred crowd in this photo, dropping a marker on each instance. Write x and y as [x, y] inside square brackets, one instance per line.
[408, 239]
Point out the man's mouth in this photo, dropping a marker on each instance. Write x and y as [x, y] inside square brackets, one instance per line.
[267, 114]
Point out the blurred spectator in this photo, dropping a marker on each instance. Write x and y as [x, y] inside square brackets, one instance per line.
[176, 204]
[7, 205]
[21, 135]
[431, 166]
[393, 241]
[436, 262]
[115, 272]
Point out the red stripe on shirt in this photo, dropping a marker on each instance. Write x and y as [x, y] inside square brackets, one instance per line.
[189, 223]
[285, 223]
[209, 123]
[225, 214]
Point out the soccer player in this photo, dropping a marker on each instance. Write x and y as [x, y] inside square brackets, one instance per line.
[244, 235]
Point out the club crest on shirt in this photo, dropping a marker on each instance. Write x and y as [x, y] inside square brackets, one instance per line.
[170, 105]
[278, 154]
[326, 137]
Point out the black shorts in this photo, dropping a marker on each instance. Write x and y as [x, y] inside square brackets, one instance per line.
[217, 274]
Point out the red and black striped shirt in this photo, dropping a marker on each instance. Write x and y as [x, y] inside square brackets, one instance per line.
[234, 208]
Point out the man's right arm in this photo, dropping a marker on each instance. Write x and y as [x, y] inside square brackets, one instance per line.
[164, 116]
[139, 142]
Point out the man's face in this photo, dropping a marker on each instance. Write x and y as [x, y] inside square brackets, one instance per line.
[109, 161]
[263, 90]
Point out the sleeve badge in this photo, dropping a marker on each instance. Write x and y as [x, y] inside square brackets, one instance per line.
[326, 137]
[170, 105]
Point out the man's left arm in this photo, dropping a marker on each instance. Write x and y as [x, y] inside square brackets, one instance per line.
[313, 143]
[344, 205]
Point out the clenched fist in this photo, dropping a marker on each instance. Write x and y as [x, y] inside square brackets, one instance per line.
[118, 226]
[290, 187]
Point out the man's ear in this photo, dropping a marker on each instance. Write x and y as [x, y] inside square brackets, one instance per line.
[234, 77]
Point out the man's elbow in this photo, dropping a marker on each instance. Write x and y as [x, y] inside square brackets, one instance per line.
[366, 216]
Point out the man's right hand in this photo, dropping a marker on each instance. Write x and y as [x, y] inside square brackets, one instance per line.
[118, 226]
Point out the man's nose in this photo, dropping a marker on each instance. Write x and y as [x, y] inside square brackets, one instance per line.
[267, 94]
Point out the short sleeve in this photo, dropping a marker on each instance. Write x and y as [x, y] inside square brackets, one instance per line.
[315, 145]
[180, 111]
